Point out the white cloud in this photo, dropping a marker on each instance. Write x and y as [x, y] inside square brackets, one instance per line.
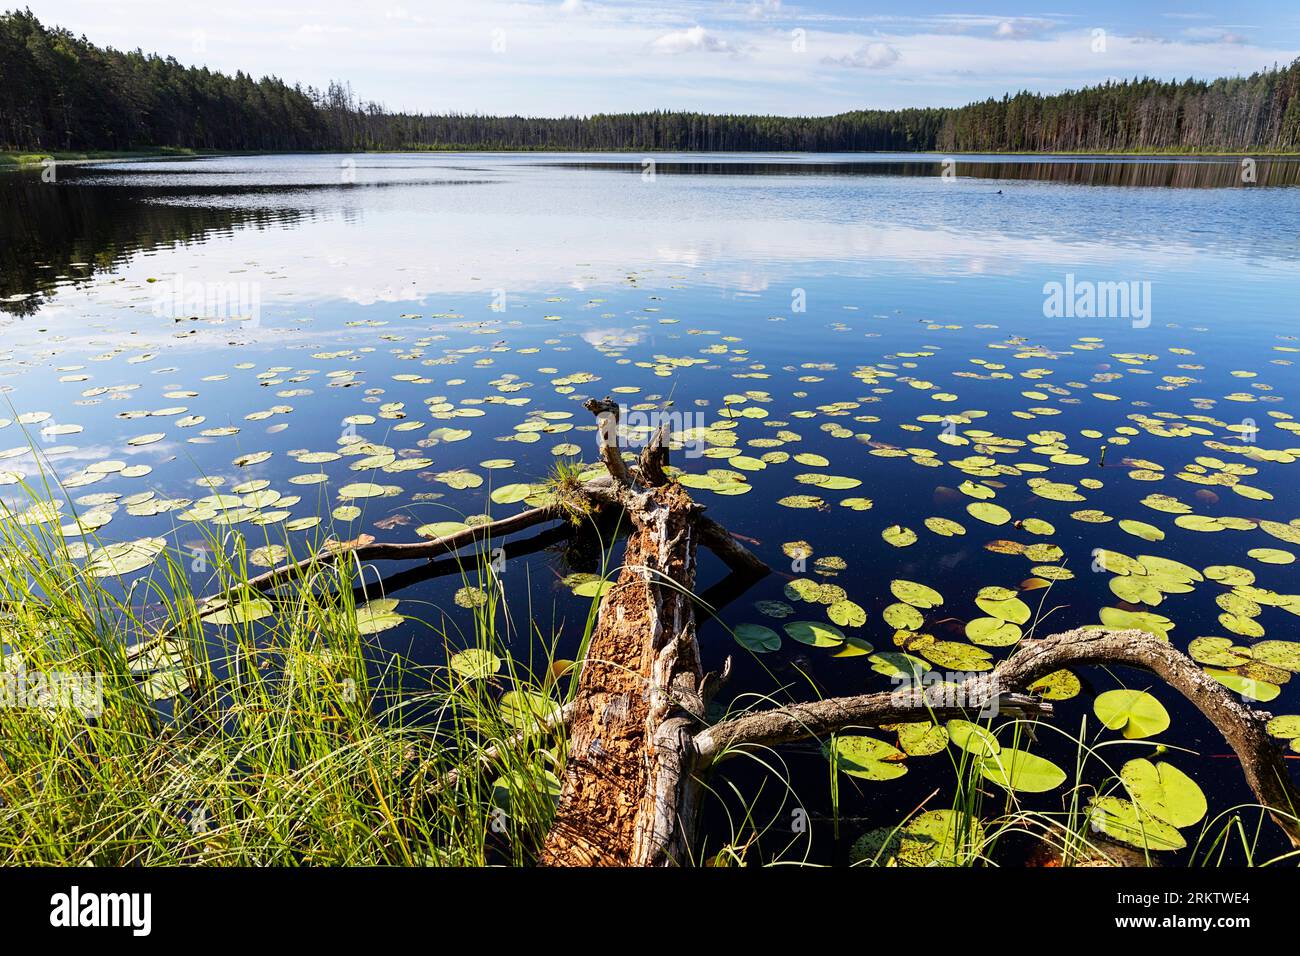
[872, 56]
[694, 39]
[585, 56]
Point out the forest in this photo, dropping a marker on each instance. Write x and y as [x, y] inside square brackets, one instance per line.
[60, 92]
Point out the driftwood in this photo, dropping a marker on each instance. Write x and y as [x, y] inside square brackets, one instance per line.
[638, 738]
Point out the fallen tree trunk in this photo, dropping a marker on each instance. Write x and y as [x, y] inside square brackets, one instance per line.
[626, 799]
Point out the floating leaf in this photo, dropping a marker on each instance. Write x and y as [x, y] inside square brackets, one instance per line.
[992, 632]
[363, 489]
[1164, 791]
[955, 656]
[903, 617]
[944, 527]
[127, 557]
[972, 738]
[932, 838]
[814, 633]
[1010, 609]
[1260, 690]
[917, 595]
[847, 614]
[988, 512]
[475, 663]
[1135, 713]
[1058, 685]
[242, 609]
[757, 638]
[865, 757]
[921, 738]
[509, 494]
[526, 709]
[378, 615]
[1122, 820]
[1285, 654]
[1140, 529]
[1021, 771]
[899, 536]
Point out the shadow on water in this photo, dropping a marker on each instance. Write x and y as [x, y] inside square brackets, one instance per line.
[58, 234]
[1217, 173]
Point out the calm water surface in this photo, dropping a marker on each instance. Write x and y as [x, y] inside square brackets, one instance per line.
[875, 317]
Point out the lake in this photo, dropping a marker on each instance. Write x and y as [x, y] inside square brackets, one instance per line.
[859, 352]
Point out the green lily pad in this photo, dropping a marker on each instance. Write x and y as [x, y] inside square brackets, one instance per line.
[899, 536]
[475, 663]
[991, 632]
[920, 738]
[757, 638]
[814, 633]
[378, 615]
[917, 595]
[1164, 791]
[1058, 685]
[1135, 713]
[988, 512]
[972, 738]
[846, 613]
[1021, 771]
[1249, 687]
[865, 757]
[932, 838]
[1123, 821]
[1012, 610]
[903, 617]
[242, 609]
[509, 494]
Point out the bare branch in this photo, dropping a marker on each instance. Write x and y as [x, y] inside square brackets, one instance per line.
[1242, 727]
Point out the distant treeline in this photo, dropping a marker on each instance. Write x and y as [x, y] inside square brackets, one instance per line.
[59, 92]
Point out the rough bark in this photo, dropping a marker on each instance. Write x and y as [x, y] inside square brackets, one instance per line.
[626, 797]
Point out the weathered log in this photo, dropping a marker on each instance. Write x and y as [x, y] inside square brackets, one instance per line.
[628, 796]
[625, 799]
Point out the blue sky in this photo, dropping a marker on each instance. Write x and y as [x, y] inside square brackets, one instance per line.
[553, 57]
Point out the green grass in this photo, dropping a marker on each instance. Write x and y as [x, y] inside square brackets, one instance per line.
[292, 740]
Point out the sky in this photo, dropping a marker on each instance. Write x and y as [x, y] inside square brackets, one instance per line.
[567, 57]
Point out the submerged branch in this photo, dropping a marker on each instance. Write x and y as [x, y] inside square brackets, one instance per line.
[1243, 727]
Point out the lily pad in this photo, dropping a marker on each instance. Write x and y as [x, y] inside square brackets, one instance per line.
[1123, 821]
[757, 638]
[378, 615]
[1164, 791]
[1135, 713]
[815, 633]
[865, 757]
[1021, 771]
[475, 663]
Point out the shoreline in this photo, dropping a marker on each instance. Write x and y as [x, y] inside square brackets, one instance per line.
[18, 159]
